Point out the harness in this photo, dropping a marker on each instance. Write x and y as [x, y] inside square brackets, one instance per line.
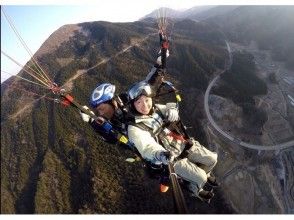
[169, 129]
[144, 127]
[115, 130]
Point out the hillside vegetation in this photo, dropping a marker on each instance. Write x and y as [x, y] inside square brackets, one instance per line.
[52, 162]
[240, 84]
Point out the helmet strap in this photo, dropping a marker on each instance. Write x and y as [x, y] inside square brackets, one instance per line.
[114, 103]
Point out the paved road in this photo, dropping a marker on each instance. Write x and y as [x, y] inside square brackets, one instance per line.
[228, 136]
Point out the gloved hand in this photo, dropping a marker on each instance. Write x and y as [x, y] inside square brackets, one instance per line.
[158, 61]
[85, 117]
[172, 112]
[163, 156]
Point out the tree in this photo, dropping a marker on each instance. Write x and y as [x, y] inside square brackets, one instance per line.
[53, 188]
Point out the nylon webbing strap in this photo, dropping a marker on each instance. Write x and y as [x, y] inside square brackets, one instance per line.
[179, 199]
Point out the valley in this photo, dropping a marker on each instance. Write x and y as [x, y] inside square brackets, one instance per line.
[260, 161]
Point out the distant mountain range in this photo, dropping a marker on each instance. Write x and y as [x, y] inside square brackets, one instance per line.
[272, 27]
[195, 13]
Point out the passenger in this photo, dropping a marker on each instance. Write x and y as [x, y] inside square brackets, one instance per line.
[156, 140]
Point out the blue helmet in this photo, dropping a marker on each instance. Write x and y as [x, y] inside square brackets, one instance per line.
[102, 93]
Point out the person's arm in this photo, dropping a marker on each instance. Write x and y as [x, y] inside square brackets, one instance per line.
[156, 76]
[101, 126]
[145, 143]
[170, 111]
[103, 132]
[164, 44]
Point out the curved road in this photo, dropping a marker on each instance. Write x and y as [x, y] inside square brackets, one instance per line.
[224, 134]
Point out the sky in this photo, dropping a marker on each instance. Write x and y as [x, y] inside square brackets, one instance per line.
[36, 20]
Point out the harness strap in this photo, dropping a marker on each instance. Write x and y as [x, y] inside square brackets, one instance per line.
[188, 145]
[177, 136]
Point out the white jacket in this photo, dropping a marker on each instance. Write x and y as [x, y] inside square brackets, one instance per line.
[145, 143]
[147, 146]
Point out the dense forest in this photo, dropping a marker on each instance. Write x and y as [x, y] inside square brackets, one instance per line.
[240, 84]
[52, 162]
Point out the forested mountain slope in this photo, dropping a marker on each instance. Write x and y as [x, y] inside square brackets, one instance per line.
[52, 162]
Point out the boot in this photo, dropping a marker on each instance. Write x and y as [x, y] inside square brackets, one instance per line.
[204, 195]
[212, 181]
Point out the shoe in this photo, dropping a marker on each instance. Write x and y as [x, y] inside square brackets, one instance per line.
[212, 181]
[204, 195]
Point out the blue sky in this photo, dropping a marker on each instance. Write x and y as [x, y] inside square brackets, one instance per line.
[35, 23]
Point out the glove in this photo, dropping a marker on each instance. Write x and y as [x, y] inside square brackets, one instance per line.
[172, 112]
[163, 156]
[85, 117]
[158, 61]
